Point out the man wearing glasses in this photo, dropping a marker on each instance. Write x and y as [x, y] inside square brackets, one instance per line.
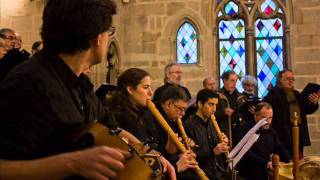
[285, 100]
[172, 106]
[173, 76]
[13, 56]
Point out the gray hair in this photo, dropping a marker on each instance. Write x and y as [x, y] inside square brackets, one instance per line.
[204, 82]
[249, 79]
[167, 69]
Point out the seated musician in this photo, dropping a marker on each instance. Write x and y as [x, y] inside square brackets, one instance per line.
[172, 105]
[129, 102]
[43, 100]
[200, 128]
[257, 160]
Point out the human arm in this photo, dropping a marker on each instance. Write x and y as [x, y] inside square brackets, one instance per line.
[94, 163]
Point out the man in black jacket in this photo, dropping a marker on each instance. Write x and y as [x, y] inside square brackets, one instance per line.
[13, 57]
[199, 127]
[257, 160]
[285, 100]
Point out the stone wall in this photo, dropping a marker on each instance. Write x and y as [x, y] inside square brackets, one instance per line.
[305, 38]
[148, 29]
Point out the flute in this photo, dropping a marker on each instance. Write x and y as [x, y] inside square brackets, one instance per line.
[172, 135]
[183, 134]
[217, 128]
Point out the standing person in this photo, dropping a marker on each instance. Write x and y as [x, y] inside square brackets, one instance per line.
[209, 83]
[173, 75]
[249, 85]
[228, 104]
[200, 128]
[42, 101]
[3, 48]
[285, 100]
[13, 56]
[256, 162]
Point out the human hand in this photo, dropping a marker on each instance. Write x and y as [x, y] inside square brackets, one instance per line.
[220, 148]
[224, 138]
[252, 109]
[314, 97]
[97, 163]
[228, 111]
[186, 161]
[171, 147]
[167, 167]
[269, 165]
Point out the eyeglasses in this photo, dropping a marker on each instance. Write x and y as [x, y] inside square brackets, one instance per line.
[249, 85]
[181, 109]
[176, 72]
[111, 31]
[8, 37]
[290, 79]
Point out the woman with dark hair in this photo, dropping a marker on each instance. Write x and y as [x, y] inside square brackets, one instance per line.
[129, 104]
[134, 89]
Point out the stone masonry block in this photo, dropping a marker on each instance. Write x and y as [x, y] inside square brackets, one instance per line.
[173, 7]
[307, 69]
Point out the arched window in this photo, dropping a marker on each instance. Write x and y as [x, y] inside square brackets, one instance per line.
[269, 46]
[231, 41]
[251, 39]
[187, 44]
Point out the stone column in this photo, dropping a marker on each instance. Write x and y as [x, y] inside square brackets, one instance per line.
[250, 61]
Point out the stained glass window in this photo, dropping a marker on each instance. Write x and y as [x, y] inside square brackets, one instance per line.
[187, 44]
[268, 7]
[231, 9]
[232, 48]
[269, 52]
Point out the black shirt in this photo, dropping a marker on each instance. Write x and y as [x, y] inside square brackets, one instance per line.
[256, 159]
[10, 60]
[41, 103]
[203, 134]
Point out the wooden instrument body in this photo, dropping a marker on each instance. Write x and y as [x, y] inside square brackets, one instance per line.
[138, 167]
[309, 169]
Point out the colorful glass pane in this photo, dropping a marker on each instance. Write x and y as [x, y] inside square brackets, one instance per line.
[232, 48]
[269, 52]
[268, 7]
[231, 9]
[187, 44]
[219, 14]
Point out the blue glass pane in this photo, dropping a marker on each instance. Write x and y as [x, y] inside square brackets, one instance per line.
[187, 44]
[232, 48]
[268, 7]
[269, 52]
[231, 9]
[266, 28]
[228, 29]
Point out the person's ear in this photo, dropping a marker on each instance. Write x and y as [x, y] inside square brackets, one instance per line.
[97, 40]
[130, 90]
[199, 104]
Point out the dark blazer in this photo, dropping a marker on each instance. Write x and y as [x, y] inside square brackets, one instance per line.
[281, 117]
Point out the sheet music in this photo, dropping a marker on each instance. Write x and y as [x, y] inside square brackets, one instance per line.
[246, 142]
